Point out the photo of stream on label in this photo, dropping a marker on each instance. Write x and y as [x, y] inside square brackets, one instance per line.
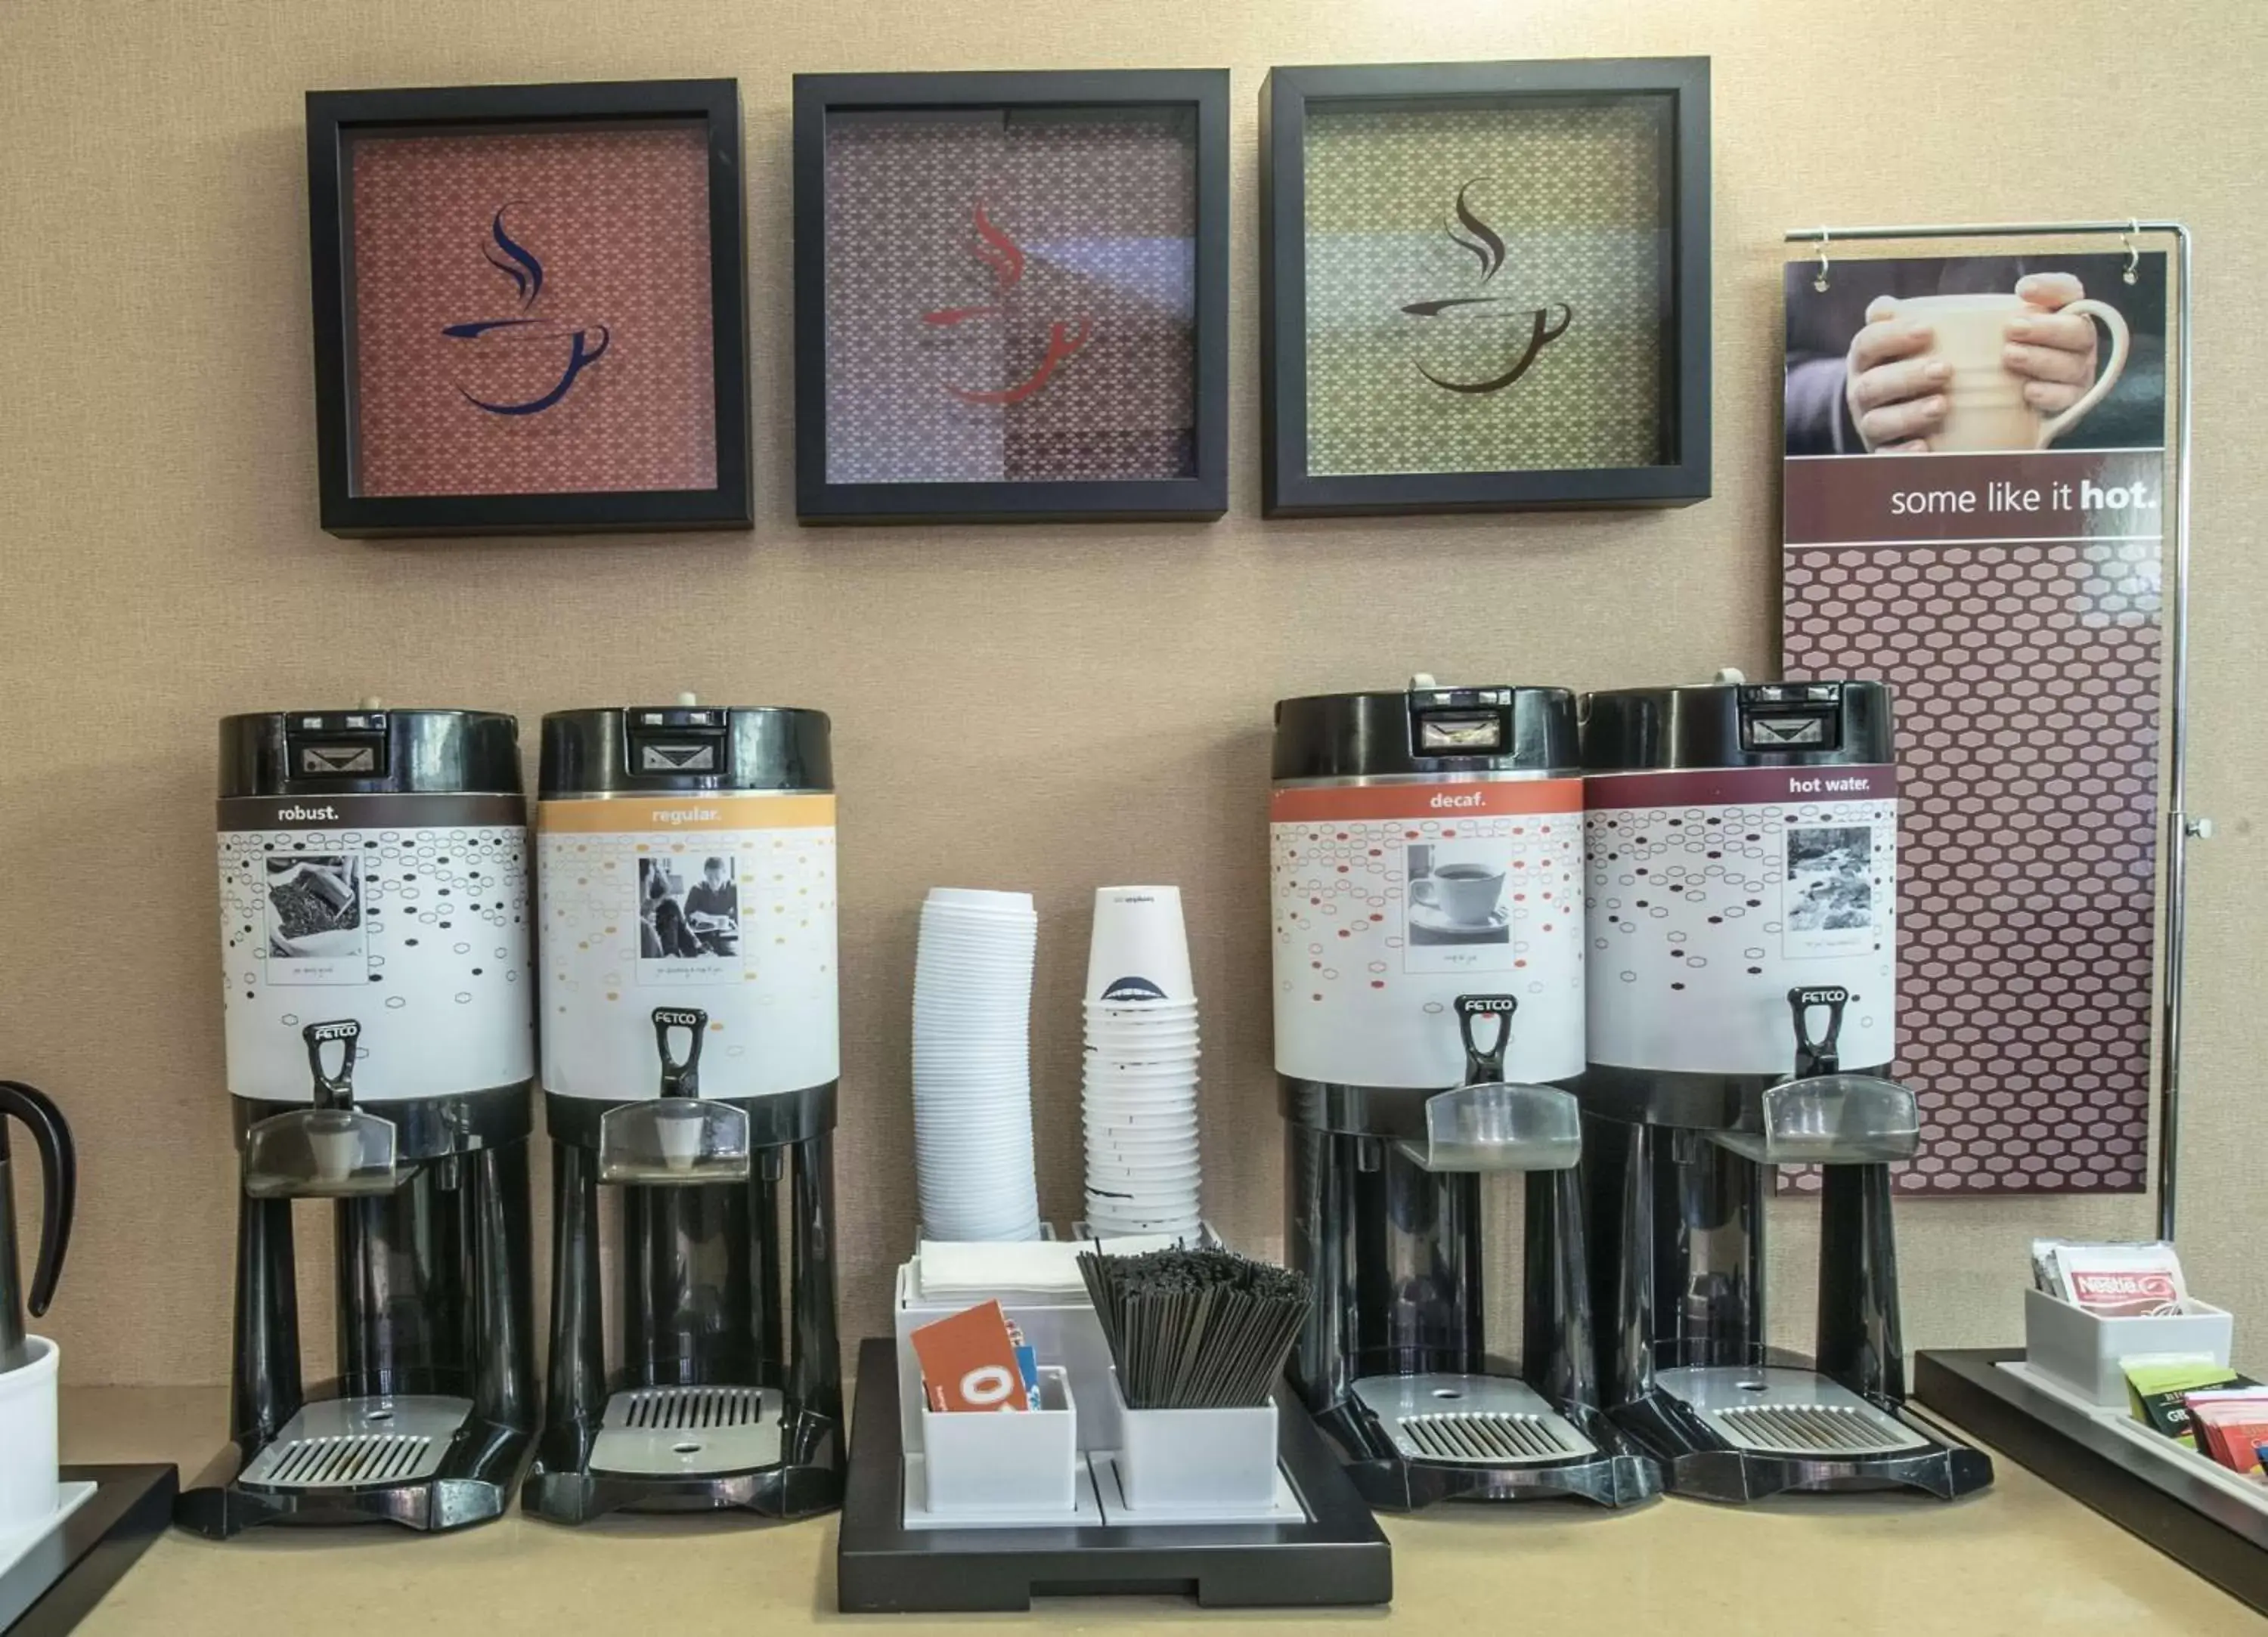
[1828, 899]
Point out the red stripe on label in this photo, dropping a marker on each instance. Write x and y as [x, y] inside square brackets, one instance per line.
[1307, 803]
[1745, 786]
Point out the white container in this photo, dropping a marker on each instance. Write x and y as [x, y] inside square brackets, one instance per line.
[29, 1490]
[2084, 1351]
[1177, 1459]
[1008, 1463]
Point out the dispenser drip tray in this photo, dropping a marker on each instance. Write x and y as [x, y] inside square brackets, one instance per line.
[689, 1432]
[1470, 1420]
[1788, 1413]
[350, 1443]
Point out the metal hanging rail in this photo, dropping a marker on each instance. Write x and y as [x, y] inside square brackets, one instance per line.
[2181, 828]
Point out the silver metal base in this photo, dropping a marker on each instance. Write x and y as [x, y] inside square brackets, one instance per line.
[348, 1443]
[1475, 1420]
[1791, 1412]
[688, 1432]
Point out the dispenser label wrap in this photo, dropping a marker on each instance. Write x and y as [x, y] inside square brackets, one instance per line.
[1709, 895]
[1390, 900]
[721, 901]
[407, 914]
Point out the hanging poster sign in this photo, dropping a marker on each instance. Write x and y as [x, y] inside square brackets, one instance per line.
[1974, 513]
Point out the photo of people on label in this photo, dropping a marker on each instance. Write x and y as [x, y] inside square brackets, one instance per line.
[681, 922]
[1975, 354]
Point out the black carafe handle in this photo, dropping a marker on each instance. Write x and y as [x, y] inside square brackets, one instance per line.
[680, 1078]
[59, 1177]
[1485, 1067]
[1819, 1056]
[332, 1091]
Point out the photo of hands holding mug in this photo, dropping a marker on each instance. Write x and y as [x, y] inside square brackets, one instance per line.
[1976, 353]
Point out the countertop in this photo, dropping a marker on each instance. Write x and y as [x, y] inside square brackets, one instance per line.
[2021, 1557]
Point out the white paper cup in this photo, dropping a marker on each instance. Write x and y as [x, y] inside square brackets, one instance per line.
[1139, 949]
[29, 1488]
[979, 898]
[1141, 1014]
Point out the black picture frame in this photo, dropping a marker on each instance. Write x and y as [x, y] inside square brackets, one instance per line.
[1287, 96]
[1202, 494]
[334, 117]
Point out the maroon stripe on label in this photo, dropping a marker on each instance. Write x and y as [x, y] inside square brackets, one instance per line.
[1719, 787]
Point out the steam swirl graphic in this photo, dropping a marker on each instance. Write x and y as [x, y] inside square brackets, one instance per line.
[1006, 257]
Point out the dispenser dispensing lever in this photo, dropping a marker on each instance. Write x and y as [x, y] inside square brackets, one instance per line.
[1486, 1066]
[332, 1091]
[1818, 1055]
[680, 1078]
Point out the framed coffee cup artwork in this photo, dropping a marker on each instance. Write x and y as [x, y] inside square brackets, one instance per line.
[1484, 286]
[1012, 296]
[529, 308]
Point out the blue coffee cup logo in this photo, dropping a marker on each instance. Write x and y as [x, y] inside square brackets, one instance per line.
[518, 264]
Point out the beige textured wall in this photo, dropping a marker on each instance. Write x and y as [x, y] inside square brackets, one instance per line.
[1036, 707]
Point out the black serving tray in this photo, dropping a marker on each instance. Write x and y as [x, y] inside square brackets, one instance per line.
[50, 1589]
[1338, 1557]
[2192, 1520]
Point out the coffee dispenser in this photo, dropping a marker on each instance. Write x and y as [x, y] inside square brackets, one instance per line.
[1741, 886]
[380, 1045]
[688, 904]
[1427, 931]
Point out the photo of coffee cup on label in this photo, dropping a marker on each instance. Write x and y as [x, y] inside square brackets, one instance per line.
[1975, 355]
[1456, 894]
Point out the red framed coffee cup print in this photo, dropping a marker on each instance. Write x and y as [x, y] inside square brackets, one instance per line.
[529, 308]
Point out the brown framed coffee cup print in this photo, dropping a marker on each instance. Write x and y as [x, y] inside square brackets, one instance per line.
[1486, 286]
[529, 308]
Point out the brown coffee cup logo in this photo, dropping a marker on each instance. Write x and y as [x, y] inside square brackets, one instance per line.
[1471, 233]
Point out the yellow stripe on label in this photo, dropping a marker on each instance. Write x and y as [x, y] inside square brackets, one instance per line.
[624, 815]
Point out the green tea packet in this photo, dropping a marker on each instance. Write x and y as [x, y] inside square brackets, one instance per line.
[2156, 1386]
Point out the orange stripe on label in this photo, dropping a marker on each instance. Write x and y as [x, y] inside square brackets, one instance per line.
[1307, 803]
[626, 815]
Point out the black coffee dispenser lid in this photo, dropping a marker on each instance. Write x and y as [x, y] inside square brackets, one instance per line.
[371, 750]
[1737, 724]
[1426, 728]
[685, 747]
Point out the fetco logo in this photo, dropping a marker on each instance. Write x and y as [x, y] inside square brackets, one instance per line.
[308, 815]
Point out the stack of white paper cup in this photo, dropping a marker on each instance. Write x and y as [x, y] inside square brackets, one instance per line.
[1140, 1103]
[973, 1066]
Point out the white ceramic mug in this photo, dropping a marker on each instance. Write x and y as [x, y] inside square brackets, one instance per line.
[1466, 893]
[30, 1489]
[1986, 408]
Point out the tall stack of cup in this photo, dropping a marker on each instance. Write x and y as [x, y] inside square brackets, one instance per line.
[1140, 1102]
[973, 1066]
